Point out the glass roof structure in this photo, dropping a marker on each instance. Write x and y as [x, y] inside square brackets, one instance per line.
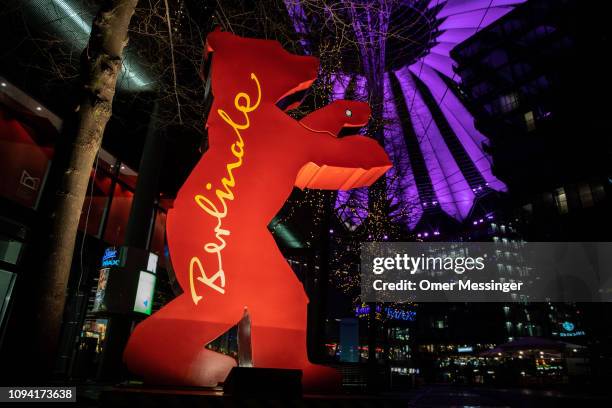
[71, 21]
[402, 48]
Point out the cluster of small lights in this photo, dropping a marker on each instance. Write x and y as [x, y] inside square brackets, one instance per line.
[344, 257]
[374, 219]
[345, 243]
[479, 221]
[480, 188]
[427, 234]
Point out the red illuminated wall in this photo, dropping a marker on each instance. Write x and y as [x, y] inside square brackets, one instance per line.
[118, 215]
[24, 162]
[221, 250]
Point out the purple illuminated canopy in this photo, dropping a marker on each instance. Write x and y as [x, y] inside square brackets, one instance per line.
[442, 130]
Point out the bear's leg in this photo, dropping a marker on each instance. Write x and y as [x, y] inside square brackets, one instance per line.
[278, 337]
[169, 347]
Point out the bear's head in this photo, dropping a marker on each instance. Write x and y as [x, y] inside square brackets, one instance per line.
[279, 72]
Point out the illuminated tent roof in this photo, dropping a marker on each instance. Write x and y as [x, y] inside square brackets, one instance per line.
[438, 155]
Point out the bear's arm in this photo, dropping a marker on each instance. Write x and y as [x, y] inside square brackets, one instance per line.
[341, 163]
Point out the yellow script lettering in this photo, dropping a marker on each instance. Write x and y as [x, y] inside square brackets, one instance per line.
[242, 103]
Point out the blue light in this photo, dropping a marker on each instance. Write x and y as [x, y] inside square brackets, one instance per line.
[397, 314]
[110, 258]
[568, 326]
[74, 16]
[390, 313]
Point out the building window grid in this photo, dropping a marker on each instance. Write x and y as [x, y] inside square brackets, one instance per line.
[114, 174]
[508, 102]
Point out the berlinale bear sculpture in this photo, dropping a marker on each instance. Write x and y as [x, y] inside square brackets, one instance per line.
[222, 252]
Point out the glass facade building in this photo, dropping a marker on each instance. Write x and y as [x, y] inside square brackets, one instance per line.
[28, 132]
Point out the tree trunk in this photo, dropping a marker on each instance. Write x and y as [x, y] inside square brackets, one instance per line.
[101, 65]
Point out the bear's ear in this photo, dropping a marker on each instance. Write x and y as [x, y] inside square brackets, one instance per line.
[217, 38]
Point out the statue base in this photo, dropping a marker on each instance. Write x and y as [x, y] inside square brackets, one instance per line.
[256, 381]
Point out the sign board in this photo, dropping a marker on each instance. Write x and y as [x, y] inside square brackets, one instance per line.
[110, 257]
[144, 293]
[99, 305]
[126, 281]
[569, 329]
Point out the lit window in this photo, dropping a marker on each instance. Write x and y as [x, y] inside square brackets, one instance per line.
[561, 200]
[10, 250]
[586, 197]
[529, 121]
[508, 103]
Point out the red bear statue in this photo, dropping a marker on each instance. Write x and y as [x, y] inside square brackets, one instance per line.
[222, 252]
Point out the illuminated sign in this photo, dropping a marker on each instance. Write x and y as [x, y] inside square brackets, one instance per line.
[389, 313]
[152, 262]
[144, 293]
[568, 326]
[99, 305]
[110, 257]
[397, 314]
[577, 333]
[364, 310]
[222, 253]
[465, 349]
[569, 330]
